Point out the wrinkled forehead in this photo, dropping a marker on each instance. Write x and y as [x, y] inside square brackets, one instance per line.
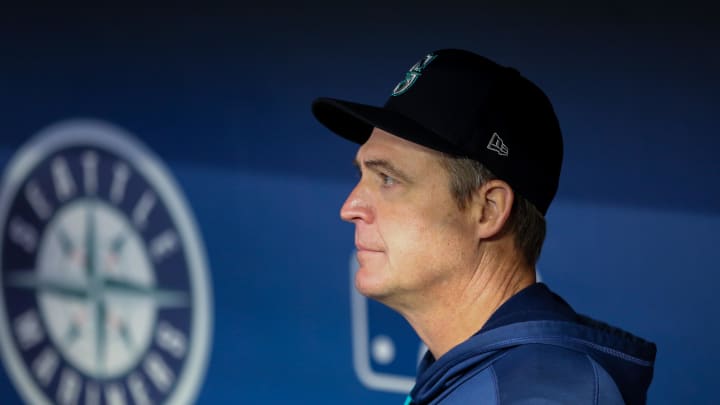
[388, 145]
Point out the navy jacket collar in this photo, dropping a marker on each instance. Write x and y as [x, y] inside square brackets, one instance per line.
[537, 315]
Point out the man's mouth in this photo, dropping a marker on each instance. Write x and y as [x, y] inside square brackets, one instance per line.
[365, 248]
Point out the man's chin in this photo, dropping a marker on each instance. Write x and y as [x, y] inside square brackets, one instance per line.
[371, 284]
[379, 290]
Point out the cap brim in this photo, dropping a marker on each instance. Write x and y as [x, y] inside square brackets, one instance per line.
[355, 122]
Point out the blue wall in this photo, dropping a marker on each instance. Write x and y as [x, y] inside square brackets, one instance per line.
[223, 96]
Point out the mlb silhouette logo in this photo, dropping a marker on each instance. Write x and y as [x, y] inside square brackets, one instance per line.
[386, 351]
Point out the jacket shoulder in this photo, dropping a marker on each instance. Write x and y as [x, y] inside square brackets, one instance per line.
[537, 374]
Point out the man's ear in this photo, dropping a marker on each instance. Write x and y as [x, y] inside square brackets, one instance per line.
[494, 202]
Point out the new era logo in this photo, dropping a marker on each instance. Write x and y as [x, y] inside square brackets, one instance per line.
[497, 145]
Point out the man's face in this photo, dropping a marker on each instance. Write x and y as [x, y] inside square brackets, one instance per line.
[410, 235]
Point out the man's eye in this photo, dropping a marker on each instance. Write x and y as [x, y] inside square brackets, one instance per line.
[387, 180]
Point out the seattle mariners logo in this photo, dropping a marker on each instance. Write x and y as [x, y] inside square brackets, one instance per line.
[413, 74]
[104, 293]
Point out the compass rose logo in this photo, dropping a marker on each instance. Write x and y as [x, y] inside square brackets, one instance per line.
[104, 296]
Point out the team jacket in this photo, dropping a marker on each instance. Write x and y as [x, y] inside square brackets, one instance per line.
[536, 350]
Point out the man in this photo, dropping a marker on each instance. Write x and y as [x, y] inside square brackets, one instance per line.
[458, 170]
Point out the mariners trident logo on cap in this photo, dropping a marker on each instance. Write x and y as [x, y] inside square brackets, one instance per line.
[413, 74]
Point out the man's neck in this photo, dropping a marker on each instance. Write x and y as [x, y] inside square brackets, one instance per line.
[456, 312]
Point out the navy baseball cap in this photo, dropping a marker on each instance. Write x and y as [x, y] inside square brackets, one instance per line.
[465, 105]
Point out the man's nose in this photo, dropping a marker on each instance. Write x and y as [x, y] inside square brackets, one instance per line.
[356, 207]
